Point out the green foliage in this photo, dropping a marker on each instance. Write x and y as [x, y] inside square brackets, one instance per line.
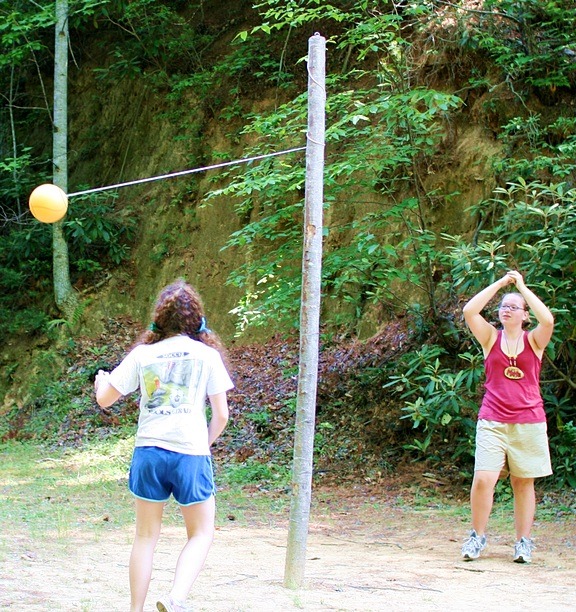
[46, 415]
[159, 40]
[97, 231]
[259, 417]
[170, 46]
[381, 134]
[440, 401]
[74, 319]
[371, 271]
[22, 320]
[98, 235]
[536, 149]
[14, 172]
[58, 405]
[255, 472]
[20, 25]
[528, 225]
[564, 456]
[26, 54]
[24, 276]
[535, 233]
[325, 445]
[531, 41]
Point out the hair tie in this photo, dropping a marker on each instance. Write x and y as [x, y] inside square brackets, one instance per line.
[154, 328]
[203, 327]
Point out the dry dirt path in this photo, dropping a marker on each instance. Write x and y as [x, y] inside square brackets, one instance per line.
[394, 561]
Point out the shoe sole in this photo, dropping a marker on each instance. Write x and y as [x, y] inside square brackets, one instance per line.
[471, 557]
[521, 560]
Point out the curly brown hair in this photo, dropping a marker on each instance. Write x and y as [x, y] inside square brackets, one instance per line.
[179, 310]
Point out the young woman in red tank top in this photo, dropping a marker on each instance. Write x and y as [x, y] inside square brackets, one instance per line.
[511, 432]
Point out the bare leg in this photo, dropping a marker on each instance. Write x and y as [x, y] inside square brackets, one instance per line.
[199, 519]
[148, 524]
[482, 498]
[524, 505]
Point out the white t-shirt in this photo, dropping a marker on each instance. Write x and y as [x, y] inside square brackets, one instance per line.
[175, 376]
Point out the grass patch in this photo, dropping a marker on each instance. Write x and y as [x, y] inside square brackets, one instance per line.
[249, 506]
[51, 492]
[253, 492]
[250, 472]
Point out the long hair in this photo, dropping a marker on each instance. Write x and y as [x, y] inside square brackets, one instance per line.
[179, 310]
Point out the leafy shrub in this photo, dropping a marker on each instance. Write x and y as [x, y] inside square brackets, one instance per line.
[564, 456]
[382, 133]
[531, 41]
[22, 320]
[97, 231]
[441, 401]
[251, 472]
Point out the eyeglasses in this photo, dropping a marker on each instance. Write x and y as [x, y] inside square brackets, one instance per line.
[511, 307]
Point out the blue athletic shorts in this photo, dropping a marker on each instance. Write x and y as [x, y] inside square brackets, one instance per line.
[155, 473]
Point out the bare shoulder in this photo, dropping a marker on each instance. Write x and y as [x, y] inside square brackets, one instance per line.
[484, 332]
[538, 341]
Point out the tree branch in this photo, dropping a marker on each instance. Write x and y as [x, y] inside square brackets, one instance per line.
[480, 12]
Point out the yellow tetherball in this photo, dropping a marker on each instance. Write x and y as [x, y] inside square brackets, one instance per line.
[48, 203]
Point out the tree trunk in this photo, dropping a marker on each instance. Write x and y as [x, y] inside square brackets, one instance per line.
[309, 318]
[65, 296]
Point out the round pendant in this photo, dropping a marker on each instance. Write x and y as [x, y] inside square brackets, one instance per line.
[513, 373]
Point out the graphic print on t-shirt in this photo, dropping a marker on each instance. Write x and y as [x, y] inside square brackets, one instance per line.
[170, 382]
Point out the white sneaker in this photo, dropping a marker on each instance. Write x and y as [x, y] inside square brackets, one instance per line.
[473, 546]
[523, 550]
[167, 604]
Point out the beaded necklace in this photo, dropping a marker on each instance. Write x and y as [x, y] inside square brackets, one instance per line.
[512, 371]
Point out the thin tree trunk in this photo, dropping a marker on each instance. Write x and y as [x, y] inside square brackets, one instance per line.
[15, 172]
[309, 318]
[65, 296]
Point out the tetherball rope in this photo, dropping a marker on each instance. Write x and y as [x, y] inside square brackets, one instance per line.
[184, 172]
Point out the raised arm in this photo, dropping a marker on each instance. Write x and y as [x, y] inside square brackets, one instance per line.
[483, 331]
[542, 333]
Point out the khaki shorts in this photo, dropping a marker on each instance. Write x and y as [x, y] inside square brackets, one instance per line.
[519, 449]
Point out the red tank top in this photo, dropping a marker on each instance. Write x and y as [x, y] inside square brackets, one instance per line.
[512, 401]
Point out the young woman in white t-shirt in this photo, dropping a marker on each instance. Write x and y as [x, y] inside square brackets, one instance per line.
[177, 364]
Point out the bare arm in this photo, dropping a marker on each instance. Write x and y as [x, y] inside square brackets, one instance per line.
[219, 404]
[483, 331]
[542, 333]
[106, 394]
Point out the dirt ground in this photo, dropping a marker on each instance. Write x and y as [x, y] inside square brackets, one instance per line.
[386, 558]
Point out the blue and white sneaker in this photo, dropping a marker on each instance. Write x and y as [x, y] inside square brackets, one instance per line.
[523, 550]
[473, 546]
